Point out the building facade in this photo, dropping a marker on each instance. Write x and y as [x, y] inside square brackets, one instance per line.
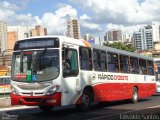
[155, 32]
[73, 29]
[3, 36]
[11, 39]
[38, 31]
[113, 36]
[22, 31]
[143, 38]
[87, 37]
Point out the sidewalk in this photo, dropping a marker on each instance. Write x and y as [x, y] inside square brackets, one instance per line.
[5, 102]
[5, 105]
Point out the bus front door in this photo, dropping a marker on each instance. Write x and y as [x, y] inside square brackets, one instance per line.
[70, 77]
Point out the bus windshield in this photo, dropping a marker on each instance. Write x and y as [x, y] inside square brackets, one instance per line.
[35, 66]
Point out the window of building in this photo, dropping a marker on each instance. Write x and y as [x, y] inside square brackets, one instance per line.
[85, 58]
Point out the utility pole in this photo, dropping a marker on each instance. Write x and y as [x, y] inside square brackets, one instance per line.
[4, 57]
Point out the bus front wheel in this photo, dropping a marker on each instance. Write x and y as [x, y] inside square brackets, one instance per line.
[86, 100]
[135, 95]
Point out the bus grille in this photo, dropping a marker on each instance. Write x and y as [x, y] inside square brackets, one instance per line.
[32, 99]
[32, 87]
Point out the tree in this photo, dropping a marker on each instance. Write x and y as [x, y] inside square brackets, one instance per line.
[121, 46]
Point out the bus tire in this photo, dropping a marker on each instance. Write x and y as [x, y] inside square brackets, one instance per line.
[86, 100]
[135, 95]
[46, 108]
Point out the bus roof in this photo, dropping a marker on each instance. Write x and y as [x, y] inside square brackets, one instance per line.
[94, 46]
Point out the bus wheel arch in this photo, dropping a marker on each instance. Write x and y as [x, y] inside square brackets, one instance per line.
[91, 91]
[87, 98]
[135, 94]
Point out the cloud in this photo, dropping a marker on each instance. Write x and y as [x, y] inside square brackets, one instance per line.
[127, 12]
[87, 26]
[56, 22]
[97, 18]
[128, 29]
[8, 14]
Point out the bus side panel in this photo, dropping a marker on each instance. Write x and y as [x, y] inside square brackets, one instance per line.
[120, 91]
[112, 91]
[152, 89]
[146, 89]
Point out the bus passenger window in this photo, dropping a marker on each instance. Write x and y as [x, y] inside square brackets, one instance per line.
[112, 61]
[134, 65]
[150, 67]
[85, 58]
[95, 60]
[99, 58]
[142, 67]
[70, 62]
[124, 66]
[103, 61]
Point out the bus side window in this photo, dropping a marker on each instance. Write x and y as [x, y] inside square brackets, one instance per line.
[99, 58]
[113, 65]
[134, 65]
[150, 67]
[142, 67]
[103, 61]
[95, 60]
[124, 66]
[85, 58]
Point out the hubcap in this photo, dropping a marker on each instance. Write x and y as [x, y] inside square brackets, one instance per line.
[135, 95]
[85, 100]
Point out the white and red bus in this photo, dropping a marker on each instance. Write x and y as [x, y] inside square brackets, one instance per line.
[157, 62]
[58, 71]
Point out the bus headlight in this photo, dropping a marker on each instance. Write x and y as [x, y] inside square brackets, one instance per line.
[14, 91]
[52, 90]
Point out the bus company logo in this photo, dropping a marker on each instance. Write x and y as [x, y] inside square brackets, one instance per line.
[94, 76]
[112, 77]
[31, 93]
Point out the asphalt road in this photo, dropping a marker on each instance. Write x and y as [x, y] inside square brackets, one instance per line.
[146, 109]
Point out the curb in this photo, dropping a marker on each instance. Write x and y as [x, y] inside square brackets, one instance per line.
[16, 108]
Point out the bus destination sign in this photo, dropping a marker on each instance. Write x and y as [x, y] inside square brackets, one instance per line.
[37, 43]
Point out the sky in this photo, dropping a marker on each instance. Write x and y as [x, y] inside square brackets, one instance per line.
[95, 16]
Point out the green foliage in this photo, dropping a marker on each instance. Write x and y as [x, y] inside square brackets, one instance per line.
[121, 46]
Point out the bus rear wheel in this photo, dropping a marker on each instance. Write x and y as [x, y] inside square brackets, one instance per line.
[46, 108]
[135, 95]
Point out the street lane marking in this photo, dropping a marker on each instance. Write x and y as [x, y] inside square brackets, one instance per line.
[154, 106]
[122, 113]
[109, 115]
[16, 108]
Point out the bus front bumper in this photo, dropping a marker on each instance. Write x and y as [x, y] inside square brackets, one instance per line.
[54, 100]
